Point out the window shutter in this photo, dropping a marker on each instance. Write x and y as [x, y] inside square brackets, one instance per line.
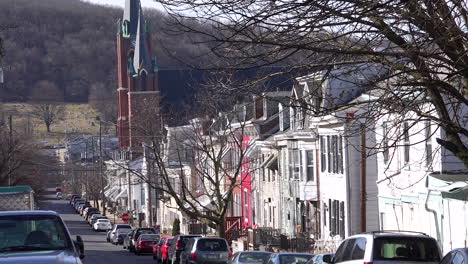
[330, 212]
[342, 220]
[322, 154]
[340, 151]
[329, 153]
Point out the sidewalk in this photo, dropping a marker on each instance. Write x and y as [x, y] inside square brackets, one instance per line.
[115, 219]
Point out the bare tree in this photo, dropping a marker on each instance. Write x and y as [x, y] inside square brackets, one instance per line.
[47, 103]
[417, 49]
[198, 165]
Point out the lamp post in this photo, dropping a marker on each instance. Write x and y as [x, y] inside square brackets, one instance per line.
[100, 167]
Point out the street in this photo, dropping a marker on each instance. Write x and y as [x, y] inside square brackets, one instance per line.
[97, 250]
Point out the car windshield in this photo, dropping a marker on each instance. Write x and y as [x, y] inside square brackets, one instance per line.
[254, 257]
[145, 231]
[294, 259]
[212, 245]
[123, 226]
[33, 232]
[149, 237]
[406, 249]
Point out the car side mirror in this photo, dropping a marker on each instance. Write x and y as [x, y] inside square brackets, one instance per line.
[327, 259]
[80, 245]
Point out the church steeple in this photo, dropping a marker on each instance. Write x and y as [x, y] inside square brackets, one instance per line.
[142, 58]
[130, 17]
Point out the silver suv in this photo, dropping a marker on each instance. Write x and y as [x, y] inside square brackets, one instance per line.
[387, 247]
[205, 250]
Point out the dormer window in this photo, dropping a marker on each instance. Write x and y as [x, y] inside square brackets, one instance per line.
[143, 81]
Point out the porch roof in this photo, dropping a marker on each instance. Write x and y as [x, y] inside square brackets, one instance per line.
[452, 184]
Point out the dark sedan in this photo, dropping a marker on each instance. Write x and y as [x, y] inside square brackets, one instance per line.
[456, 256]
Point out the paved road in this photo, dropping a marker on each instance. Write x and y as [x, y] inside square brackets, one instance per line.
[97, 250]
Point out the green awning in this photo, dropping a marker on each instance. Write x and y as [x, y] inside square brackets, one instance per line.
[453, 184]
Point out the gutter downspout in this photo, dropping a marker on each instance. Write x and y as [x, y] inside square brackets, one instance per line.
[435, 217]
[363, 179]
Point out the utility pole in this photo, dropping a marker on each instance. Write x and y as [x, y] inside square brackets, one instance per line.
[100, 167]
[10, 123]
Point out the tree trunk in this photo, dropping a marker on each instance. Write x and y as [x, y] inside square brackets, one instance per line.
[221, 231]
[48, 127]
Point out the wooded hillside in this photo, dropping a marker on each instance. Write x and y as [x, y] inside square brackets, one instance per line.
[72, 44]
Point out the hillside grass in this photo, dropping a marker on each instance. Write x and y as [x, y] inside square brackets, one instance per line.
[78, 119]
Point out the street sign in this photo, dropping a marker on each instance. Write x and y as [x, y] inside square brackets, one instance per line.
[125, 218]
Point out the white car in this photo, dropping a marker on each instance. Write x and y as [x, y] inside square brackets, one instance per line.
[102, 225]
[387, 247]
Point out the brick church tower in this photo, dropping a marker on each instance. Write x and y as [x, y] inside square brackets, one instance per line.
[138, 92]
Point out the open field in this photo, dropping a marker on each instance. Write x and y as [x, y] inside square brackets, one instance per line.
[78, 119]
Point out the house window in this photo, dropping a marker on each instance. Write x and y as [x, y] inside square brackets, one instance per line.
[300, 117]
[310, 165]
[270, 217]
[428, 143]
[142, 194]
[274, 216]
[323, 154]
[331, 155]
[406, 142]
[294, 164]
[273, 175]
[246, 203]
[385, 141]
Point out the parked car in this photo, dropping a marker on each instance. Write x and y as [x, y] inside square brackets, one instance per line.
[77, 204]
[177, 246]
[94, 217]
[119, 236]
[90, 211]
[318, 259]
[128, 239]
[160, 249]
[388, 248]
[83, 208]
[289, 258]
[456, 256]
[206, 250]
[139, 231]
[145, 243]
[115, 228]
[257, 257]
[94, 220]
[37, 237]
[102, 225]
[72, 200]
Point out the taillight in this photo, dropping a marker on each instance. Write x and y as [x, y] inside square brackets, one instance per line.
[141, 243]
[193, 256]
[230, 254]
[367, 262]
[177, 245]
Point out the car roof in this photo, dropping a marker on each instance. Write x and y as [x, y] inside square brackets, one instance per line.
[392, 234]
[294, 254]
[28, 212]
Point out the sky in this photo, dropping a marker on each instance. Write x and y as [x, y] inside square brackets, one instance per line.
[121, 3]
